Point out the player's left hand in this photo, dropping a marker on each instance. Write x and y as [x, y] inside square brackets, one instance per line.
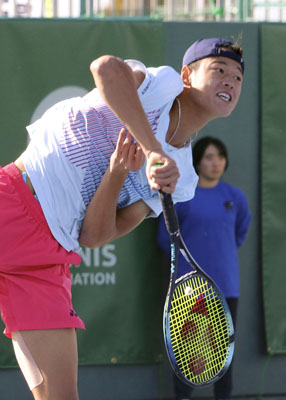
[127, 155]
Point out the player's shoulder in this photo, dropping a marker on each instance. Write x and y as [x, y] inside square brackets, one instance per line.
[164, 74]
[160, 86]
[137, 65]
[233, 190]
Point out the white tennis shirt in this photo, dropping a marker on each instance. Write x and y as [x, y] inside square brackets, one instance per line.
[71, 145]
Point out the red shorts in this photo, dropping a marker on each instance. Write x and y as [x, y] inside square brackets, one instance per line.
[35, 282]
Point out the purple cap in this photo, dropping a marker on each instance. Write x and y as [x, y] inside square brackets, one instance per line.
[204, 48]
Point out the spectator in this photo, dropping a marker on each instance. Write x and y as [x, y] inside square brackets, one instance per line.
[214, 224]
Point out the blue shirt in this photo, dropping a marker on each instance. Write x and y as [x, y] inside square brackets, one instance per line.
[213, 225]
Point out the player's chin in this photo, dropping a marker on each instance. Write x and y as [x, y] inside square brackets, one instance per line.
[225, 109]
[224, 115]
[230, 108]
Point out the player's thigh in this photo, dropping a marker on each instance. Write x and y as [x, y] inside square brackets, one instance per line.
[55, 354]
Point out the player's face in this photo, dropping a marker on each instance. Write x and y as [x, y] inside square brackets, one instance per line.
[212, 164]
[217, 84]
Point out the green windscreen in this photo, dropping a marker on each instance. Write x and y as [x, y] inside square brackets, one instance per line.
[117, 289]
[273, 191]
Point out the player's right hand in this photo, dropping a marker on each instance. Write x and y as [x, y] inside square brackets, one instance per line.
[165, 176]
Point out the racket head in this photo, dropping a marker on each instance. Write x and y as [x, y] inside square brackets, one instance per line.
[198, 330]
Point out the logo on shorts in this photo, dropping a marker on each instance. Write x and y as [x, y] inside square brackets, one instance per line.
[73, 313]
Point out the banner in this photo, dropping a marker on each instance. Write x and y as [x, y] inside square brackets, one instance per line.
[117, 289]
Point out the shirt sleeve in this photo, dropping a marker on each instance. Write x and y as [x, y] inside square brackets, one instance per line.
[242, 220]
[160, 86]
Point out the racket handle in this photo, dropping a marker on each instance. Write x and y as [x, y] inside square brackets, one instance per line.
[169, 212]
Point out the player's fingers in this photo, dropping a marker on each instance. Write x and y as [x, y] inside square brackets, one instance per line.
[139, 158]
[136, 157]
[120, 140]
[128, 138]
[130, 152]
[168, 188]
[126, 147]
[154, 185]
[164, 175]
[165, 163]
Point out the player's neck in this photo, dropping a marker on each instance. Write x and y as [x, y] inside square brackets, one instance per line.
[192, 119]
[207, 183]
[182, 128]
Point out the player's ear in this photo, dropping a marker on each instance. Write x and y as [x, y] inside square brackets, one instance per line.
[186, 75]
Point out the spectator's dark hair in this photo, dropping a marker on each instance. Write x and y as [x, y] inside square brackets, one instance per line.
[200, 146]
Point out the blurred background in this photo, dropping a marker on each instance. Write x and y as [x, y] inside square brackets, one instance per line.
[197, 10]
[46, 48]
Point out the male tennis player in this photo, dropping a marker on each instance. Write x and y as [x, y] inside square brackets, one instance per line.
[80, 198]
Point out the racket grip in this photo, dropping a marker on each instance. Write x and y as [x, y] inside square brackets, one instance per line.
[169, 212]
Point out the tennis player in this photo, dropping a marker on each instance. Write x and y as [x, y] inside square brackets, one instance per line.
[214, 224]
[80, 198]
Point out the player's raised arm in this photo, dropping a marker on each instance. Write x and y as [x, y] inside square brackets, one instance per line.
[118, 85]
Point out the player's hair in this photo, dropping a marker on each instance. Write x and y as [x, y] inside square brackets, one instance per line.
[233, 47]
[201, 145]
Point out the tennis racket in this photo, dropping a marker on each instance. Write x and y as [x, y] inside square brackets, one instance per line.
[197, 324]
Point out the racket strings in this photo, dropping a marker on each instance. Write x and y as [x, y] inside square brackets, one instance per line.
[199, 330]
